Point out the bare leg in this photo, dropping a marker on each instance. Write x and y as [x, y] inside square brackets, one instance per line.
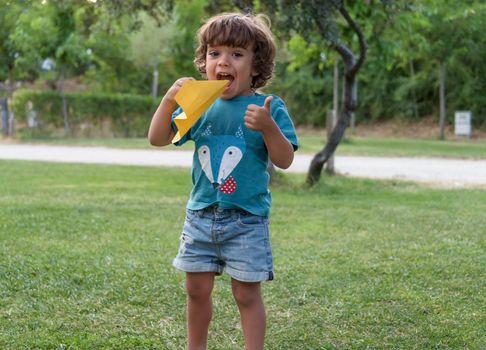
[199, 308]
[252, 312]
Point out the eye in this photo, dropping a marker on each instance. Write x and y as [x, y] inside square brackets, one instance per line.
[232, 152]
[237, 54]
[213, 53]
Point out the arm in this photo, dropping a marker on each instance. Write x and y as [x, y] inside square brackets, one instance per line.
[280, 150]
[160, 132]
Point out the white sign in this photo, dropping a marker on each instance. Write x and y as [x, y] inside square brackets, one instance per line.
[463, 123]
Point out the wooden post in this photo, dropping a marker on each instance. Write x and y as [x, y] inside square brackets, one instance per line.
[442, 102]
[155, 82]
[4, 110]
[67, 127]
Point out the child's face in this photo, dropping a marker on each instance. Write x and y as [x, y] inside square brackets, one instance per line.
[234, 64]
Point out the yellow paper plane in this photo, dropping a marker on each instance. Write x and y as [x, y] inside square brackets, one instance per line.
[194, 97]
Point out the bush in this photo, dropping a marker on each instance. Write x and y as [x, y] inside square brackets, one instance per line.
[307, 94]
[90, 113]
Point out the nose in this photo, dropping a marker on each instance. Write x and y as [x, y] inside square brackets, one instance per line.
[223, 60]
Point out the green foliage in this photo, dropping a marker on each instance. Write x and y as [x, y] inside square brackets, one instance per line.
[9, 48]
[52, 30]
[126, 115]
[407, 41]
[304, 92]
[400, 78]
[301, 78]
[150, 41]
[111, 68]
[179, 54]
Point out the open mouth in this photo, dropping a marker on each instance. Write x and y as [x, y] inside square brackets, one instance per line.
[225, 76]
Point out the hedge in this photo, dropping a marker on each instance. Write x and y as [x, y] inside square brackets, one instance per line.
[117, 114]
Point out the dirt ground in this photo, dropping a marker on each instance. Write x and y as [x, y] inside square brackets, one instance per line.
[426, 128]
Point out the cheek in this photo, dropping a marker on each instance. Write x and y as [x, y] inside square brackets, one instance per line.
[209, 68]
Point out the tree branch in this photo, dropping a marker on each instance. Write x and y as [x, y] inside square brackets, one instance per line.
[363, 46]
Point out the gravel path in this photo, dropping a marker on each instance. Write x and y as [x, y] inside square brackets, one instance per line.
[437, 171]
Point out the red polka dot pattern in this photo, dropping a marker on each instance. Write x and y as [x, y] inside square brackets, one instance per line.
[229, 186]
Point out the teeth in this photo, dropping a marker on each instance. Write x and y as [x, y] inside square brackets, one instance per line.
[225, 76]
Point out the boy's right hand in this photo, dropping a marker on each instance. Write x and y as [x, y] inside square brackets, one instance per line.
[174, 89]
[160, 131]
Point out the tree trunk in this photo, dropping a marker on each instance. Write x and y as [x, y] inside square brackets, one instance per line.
[414, 95]
[442, 102]
[10, 114]
[4, 108]
[352, 66]
[67, 128]
[330, 124]
[353, 115]
[332, 117]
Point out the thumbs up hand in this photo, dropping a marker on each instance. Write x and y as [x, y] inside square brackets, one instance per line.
[259, 118]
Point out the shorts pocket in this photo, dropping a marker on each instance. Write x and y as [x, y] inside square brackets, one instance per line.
[246, 219]
[191, 215]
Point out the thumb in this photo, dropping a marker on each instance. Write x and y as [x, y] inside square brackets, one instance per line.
[267, 103]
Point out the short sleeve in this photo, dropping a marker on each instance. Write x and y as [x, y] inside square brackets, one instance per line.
[281, 116]
[184, 138]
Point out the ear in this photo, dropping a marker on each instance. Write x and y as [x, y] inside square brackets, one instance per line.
[254, 70]
[239, 133]
[207, 131]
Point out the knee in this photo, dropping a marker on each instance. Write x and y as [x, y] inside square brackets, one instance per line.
[198, 291]
[246, 294]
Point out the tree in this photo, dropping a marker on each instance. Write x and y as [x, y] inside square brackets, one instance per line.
[431, 47]
[68, 32]
[170, 43]
[52, 30]
[320, 16]
[148, 43]
[453, 28]
[9, 12]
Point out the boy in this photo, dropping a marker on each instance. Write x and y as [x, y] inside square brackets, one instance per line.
[226, 226]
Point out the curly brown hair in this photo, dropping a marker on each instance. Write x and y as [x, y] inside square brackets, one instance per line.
[240, 30]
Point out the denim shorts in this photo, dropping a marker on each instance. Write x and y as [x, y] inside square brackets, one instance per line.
[231, 240]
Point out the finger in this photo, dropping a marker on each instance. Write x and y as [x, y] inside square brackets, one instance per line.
[252, 107]
[249, 126]
[250, 114]
[181, 81]
[267, 103]
[249, 120]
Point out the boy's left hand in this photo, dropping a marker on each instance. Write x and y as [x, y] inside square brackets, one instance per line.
[259, 118]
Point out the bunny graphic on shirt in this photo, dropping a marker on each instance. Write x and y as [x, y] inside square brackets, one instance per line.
[219, 155]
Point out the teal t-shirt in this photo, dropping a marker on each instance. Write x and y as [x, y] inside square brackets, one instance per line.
[229, 168]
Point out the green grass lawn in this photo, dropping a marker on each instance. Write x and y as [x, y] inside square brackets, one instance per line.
[312, 141]
[85, 263]
[400, 147]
